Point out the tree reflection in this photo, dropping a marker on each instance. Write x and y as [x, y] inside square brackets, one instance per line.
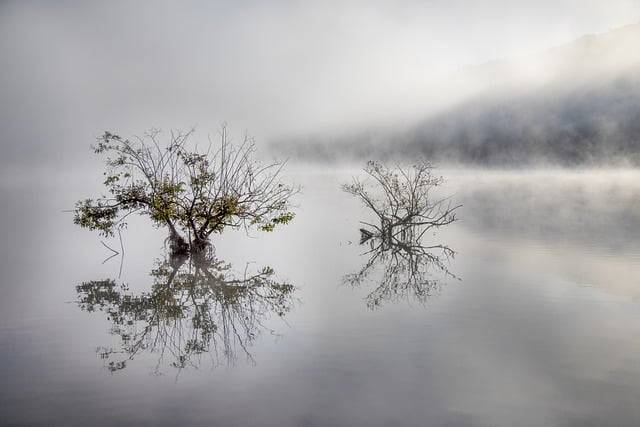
[402, 266]
[403, 201]
[196, 307]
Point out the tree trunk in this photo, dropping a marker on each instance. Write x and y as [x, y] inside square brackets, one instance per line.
[177, 244]
[199, 244]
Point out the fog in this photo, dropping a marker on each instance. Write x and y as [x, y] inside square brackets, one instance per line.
[573, 105]
[282, 70]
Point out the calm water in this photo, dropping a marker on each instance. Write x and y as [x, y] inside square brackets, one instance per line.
[542, 327]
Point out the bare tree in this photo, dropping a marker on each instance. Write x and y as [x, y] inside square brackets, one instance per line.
[194, 194]
[402, 198]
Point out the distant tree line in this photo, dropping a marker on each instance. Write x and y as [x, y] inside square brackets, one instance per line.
[590, 124]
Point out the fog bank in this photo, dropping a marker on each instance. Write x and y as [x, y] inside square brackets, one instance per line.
[281, 70]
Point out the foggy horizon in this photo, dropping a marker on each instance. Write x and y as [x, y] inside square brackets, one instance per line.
[280, 72]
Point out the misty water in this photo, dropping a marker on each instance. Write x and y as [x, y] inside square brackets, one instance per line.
[539, 326]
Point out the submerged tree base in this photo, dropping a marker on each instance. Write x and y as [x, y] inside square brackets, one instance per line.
[180, 247]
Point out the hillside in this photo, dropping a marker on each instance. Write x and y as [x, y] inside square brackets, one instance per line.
[575, 104]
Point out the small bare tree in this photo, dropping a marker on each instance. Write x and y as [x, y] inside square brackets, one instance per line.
[194, 194]
[402, 198]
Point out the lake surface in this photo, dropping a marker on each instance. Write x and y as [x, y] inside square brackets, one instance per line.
[539, 326]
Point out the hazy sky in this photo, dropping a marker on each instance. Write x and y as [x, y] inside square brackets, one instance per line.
[73, 69]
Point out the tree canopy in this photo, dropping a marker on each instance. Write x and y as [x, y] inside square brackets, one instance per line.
[193, 193]
[402, 197]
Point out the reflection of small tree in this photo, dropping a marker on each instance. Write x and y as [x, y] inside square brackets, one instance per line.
[403, 201]
[196, 306]
[406, 268]
[193, 194]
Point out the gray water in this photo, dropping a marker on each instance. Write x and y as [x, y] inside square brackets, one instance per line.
[539, 326]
